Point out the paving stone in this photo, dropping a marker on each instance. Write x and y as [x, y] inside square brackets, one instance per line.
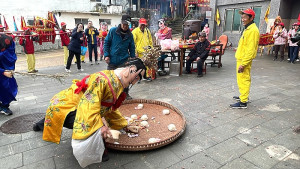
[249, 121]
[5, 151]
[190, 146]
[154, 159]
[9, 139]
[44, 164]
[12, 161]
[256, 135]
[227, 150]
[38, 154]
[277, 125]
[260, 157]
[199, 160]
[222, 133]
[288, 139]
[239, 163]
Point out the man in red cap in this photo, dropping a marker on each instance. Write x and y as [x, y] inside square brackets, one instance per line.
[1, 28]
[27, 43]
[65, 40]
[142, 39]
[246, 52]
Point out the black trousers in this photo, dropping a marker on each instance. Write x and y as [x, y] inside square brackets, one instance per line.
[93, 47]
[70, 58]
[279, 48]
[199, 64]
[113, 67]
[69, 121]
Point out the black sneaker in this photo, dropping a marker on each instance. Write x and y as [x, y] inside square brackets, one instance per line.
[149, 79]
[237, 98]
[239, 105]
[6, 111]
[105, 156]
[201, 75]
[36, 128]
[187, 72]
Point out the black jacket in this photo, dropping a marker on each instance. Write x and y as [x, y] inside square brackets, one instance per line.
[201, 49]
[75, 43]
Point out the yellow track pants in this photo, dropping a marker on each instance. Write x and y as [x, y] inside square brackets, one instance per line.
[243, 81]
[30, 62]
[66, 53]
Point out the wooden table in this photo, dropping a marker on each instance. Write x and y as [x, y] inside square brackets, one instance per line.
[191, 46]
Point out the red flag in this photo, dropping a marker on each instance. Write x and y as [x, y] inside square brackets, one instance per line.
[5, 24]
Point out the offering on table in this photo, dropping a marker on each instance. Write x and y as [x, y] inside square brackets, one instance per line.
[140, 106]
[172, 127]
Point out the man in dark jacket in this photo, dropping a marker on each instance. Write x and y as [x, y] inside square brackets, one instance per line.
[199, 53]
[91, 32]
[119, 46]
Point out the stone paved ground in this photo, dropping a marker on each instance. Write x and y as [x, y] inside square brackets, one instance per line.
[216, 136]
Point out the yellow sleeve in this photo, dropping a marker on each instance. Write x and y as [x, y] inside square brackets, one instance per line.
[116, 120]
[250, 48]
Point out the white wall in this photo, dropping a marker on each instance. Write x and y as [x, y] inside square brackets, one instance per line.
[68, 18]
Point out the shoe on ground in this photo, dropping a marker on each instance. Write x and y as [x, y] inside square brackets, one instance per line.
[187, 72]
[80, 70]
[6, 111]
[128, 97]
[201, 75]
[32, 71]
[82, 61]
[35, 127]
[91, 62]
[68, 70]
[96, 62]
[35, 70]
[149, 79]
[297, 60]
[159, 70]
[105, 156]
[274, 59]
[239, 105]
[288, 59]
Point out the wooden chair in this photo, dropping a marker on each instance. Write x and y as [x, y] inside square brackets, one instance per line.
[218, 51]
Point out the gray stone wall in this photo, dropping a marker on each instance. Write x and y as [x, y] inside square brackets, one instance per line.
[38, 47]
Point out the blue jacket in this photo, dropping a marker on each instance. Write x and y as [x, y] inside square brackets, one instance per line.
[93, 36]
[118, 49]
[75, 43]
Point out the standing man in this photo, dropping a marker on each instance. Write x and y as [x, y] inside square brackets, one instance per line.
[91, 32]
[143, 39]
[246, 52]
[8, 84]
[119, 46]
[65, 40]
[27, 43]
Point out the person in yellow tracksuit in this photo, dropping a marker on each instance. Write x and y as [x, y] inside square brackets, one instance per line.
[246, 52]
[143, 39]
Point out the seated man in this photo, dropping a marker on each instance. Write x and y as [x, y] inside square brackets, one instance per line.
[82, 107]
[199, 53]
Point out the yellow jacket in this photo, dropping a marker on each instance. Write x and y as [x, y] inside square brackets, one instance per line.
[142, 39]
[248, 45]
[88, 105]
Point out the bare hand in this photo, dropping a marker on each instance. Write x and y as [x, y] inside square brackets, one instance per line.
[81, 38]
[107, 60]
[198, 58]
[241, 69]
[8, 74]
[105, 132]
[187, 58]
[133, 129]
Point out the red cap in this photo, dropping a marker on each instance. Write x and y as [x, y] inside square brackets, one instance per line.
[63, 24]
[1, 27]
[282, 24]
[143, 21]
[294, 24]
[248, 11]
[25, 28]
